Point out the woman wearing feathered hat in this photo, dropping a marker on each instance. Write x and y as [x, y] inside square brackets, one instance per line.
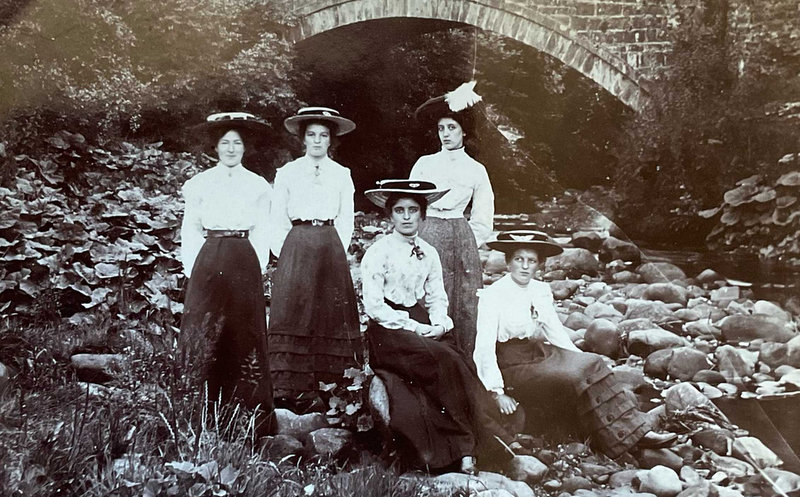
[314, 331]
[525, 357]
[446, 228]
[225, 248]
[438, 408]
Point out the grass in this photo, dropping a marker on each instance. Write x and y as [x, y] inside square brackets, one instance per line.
[149, 431]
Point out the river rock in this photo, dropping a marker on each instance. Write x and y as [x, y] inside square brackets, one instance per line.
[660, 272]
[657, 363]
[661, 481]
[743, 328]
[688, 315]
[734, 468]
[723, 296]
[602, 338]
[650, 458]
[280, 446]
[584, 300]
[628, 325]
[754, 450]
[628, 375]
[718, 440]
[771, 309]
[330, 441]
[685, 362]
[702, 489]
[708, 277]
[495, 263]
[701, 328]
[655, 311]
[563, 289]
[613, 248]
[99, 368]
[644, 342]
[589, 240]
[624, 478]
[527, 469]
[668, 293]
[598, 310]
[774, 354]
[616, 266]
[461, 484]
[5, 378]
[577, 321]
[298, 426]
[707, 311]
[627, 277]
[575, 262]
[793, 352]
[572, 484]
[709, 376]
[785, 480]
[597, 289]
[684, 396]
[732, 364]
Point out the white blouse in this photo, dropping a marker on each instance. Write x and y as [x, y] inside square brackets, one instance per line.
[507, 310]
[305, 190]
[467, 180]
[390, 270]
[225, 198]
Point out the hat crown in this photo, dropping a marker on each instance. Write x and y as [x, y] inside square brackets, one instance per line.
[317, 111]
[406, 184]
[231, 116]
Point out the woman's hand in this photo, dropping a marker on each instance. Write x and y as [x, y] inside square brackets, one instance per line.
[425, 330]
[506, 404]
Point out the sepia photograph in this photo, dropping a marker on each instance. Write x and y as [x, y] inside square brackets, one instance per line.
[343, 248]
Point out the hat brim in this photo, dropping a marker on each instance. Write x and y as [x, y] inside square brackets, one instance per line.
[252, 127]
[343, 125]
[379, 196]
[544, 249]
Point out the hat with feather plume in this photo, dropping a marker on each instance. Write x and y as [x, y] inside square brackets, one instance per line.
[452, 104]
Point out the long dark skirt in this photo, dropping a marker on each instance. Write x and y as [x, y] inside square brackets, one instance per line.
[224, 327]
[439, 411]
[575, 386]
[314, 331]
[463, 275]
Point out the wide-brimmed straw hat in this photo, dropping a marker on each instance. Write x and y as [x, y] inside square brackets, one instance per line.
[325, 114]
[511, 241]
[231, 120]
[452, 103]
[386, 187]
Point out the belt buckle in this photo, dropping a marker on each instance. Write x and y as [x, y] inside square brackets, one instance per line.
[316, 222]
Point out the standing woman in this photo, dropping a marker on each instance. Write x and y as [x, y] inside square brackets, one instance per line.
[314, 331]
[454, 237]
[225, 249]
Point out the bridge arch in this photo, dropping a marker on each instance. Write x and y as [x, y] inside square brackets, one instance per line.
[514, 19]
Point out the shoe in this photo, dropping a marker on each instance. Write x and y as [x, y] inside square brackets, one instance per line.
[468, 465]
[653, 440]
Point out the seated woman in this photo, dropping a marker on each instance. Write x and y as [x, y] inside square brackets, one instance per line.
[522, 349]
[439, 411]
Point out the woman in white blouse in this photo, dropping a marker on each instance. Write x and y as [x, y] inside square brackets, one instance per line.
[456, 238]
[524, 355]
[314, 331]
[440, 415]
[225, 249]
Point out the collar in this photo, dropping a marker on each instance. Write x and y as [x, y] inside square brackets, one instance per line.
[411, 240]
[454, 154]
[229, 171]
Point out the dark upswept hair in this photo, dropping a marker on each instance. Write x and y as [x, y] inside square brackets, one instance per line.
[395, 197]
[215, 135]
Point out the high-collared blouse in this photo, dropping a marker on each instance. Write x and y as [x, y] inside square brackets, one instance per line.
[394, 270]
[467, 180]
[306, 190]
[507, 310]
[225, 198]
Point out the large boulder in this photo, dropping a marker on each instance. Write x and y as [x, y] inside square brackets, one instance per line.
[298, 426]
[575, 262]
[615, 249]
[330, 441]
[733, 364]
[602, 338]
[527, 469]
[563, 289]
[686, 362]
[747, 327]
[660, 272]
[589, 240]
[669, 293]
[661, 481]
[626, 277]
[577, 321]
[644, 342]
[599, 310]
[654, 310]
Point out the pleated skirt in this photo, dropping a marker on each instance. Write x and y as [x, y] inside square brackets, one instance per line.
[224, 327]
[439, 411]
[575, 386]
[463, 275]
[314, 331]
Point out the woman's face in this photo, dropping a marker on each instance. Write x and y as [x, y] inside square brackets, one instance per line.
[317, 140]
[523, 266]
[230, 149]
[450, 133]
[406, 214]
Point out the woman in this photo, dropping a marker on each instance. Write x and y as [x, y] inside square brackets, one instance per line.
[524, 355]
[439, 412]
[225, 249]
[314, 332]
[446, 228]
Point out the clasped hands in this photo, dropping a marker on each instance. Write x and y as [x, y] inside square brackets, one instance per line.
[436, 331]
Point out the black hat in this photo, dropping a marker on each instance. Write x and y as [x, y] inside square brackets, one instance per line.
[231, 120]
[343, 125]
[511, 241]
[451, 103]
[386, 187]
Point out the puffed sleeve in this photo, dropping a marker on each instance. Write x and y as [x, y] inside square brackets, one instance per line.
[551, 326]
[192, 226]
[435, 296]
[281, 224]
[485, 355]
[260, 232]
[481, 219]
[373, 279]
[344, 221]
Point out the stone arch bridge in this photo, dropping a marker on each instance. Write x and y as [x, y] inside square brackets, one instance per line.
[619, 44]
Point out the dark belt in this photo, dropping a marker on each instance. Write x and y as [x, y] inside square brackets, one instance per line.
[313, 222]
[226, 233]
